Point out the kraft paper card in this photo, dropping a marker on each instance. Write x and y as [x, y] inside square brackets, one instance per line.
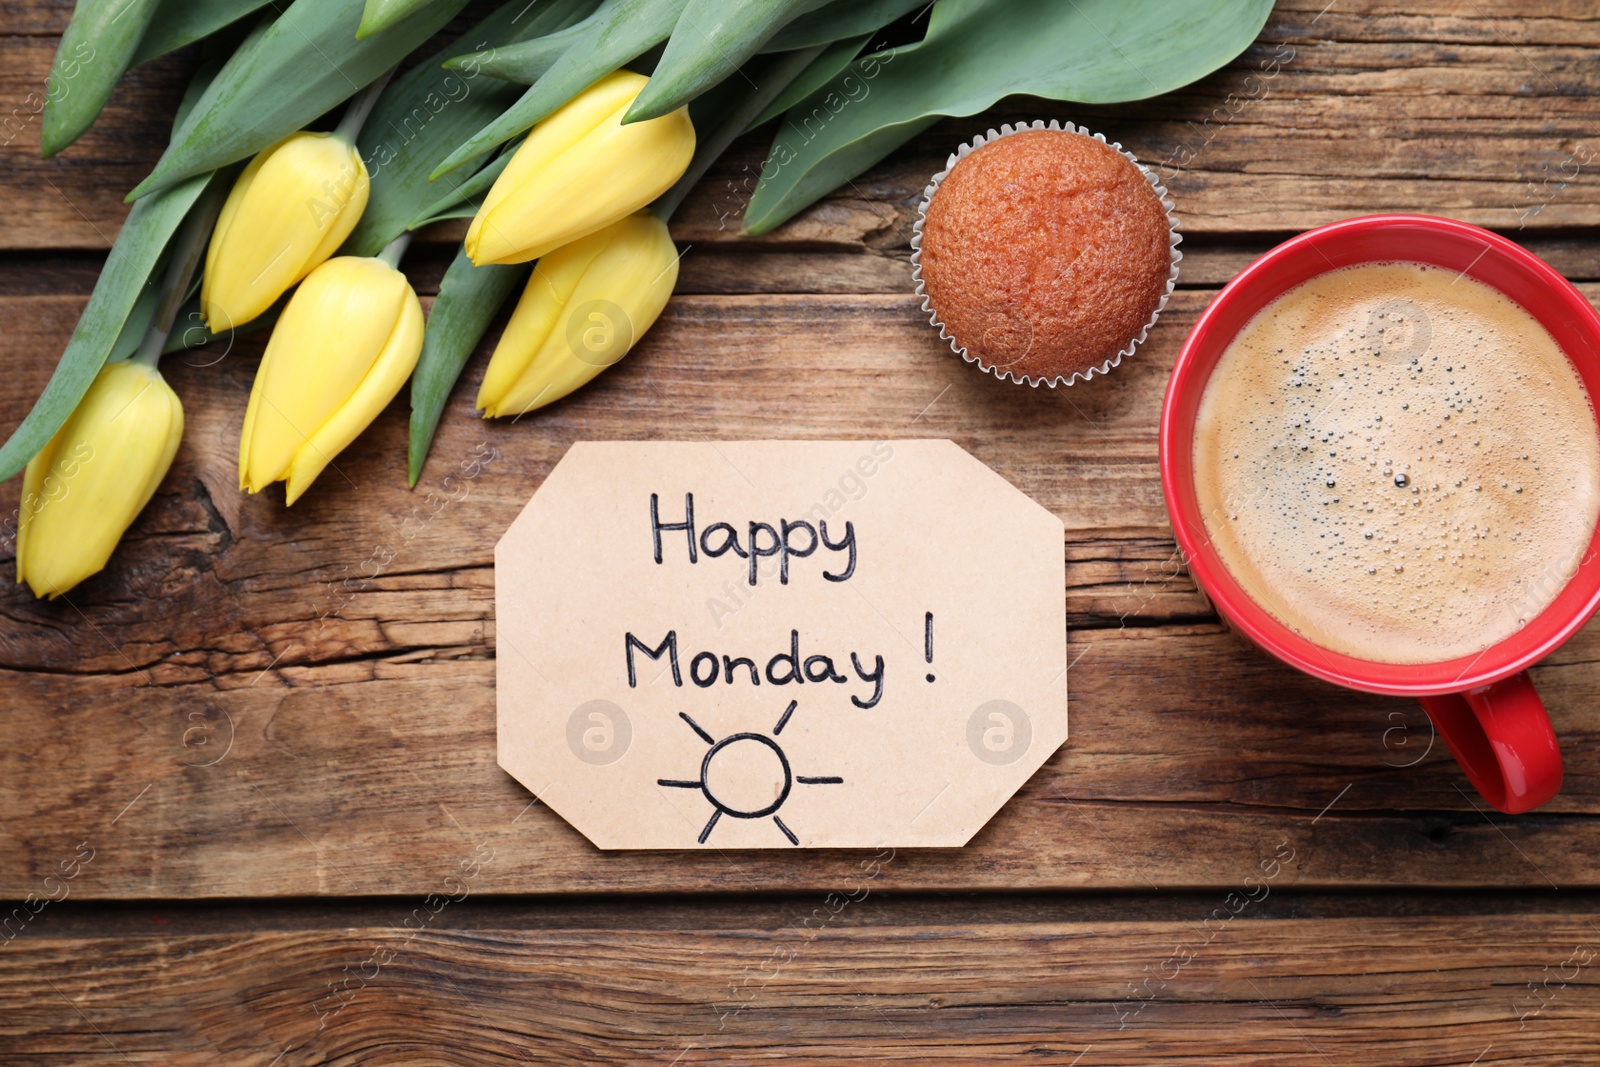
[770, 644]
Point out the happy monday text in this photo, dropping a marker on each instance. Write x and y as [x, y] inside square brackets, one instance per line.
[681, 540]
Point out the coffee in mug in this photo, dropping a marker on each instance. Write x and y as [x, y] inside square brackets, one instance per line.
[1398, 462]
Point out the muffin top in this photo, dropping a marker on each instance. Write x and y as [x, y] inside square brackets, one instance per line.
[1044, 253]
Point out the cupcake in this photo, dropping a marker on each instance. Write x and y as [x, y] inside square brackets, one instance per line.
[1044, 254]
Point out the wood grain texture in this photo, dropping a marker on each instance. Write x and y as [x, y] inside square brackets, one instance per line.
[819, 983]
[351, 701]
[360, 709]
[262, 743]
[1341, 110]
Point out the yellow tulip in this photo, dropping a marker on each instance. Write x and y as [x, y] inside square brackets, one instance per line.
[84, 489]
[585, 306]
[579, 170]
[346, 342]
[289, 211]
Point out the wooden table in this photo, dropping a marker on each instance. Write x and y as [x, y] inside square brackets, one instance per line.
[269, 761]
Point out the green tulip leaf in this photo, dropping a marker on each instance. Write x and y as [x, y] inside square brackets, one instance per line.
[307, 62]
[154, 300]
[708, 43]
[822, 70]
[177, 23]
[468, 299]
[379, 15]
[203, 77]
[618, 32]
[463, 210]
[464, 200]
[838, 20]
[526, 61]
[138, 248]
[725, 111]
[98, 45]
[977, 51]
[426, 112]
[137, 324]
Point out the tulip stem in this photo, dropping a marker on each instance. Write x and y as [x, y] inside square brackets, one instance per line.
[361, 105]
[187, 246]
[395, 249]
[726, 128]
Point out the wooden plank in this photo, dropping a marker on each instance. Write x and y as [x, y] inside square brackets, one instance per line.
[1360, 109]
[711, 368]
[821, 983]
[724, 270]
[1190, 754]
[358, 694]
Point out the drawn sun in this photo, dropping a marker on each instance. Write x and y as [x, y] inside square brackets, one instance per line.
[733, 765]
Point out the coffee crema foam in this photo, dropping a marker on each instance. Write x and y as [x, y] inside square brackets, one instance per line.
[1398, 463]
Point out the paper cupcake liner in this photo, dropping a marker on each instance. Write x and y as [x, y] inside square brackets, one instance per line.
[1173, 239]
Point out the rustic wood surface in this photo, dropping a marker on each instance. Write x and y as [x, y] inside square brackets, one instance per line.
[795, 982]
[273, 767]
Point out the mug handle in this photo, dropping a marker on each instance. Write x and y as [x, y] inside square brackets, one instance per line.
[1501, 736]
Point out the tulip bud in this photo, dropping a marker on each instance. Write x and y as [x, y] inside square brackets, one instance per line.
[289, 211]
[579, 170]
[84, 489]
[585, 306]
[346, 342]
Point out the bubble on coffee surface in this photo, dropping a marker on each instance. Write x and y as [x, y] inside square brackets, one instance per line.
[1398, 462]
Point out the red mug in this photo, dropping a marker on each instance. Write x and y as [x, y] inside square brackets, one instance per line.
[1483, 706]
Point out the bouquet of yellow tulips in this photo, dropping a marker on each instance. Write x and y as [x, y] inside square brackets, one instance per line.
[567, 130]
